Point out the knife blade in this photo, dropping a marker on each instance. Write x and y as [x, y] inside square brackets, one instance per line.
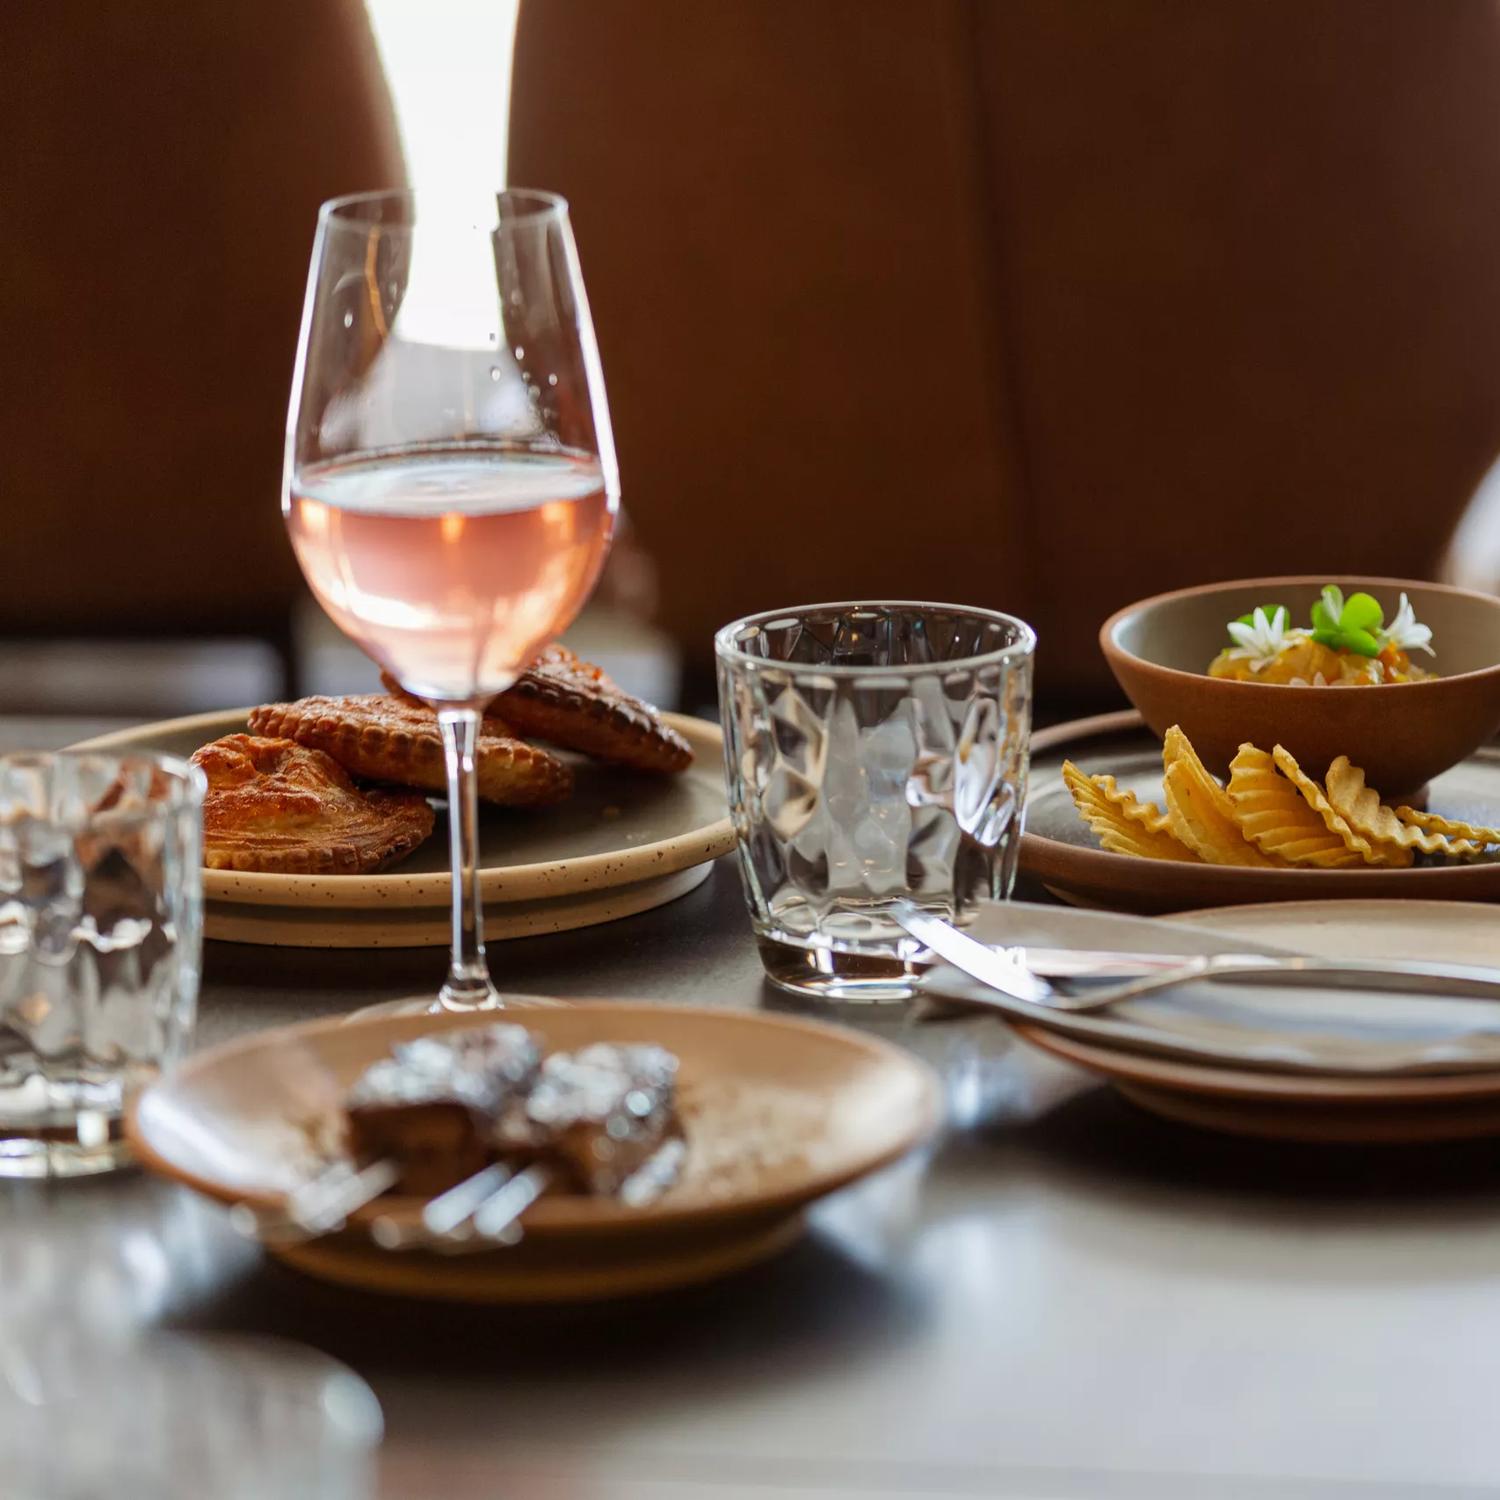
[994, 968]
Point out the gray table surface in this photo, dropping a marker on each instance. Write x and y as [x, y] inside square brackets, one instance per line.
[1068, 1298]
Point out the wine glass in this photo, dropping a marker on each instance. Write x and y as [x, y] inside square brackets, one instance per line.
[450, 484]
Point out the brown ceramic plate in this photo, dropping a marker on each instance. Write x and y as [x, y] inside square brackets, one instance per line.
[622, 843]
[1403, 734]
[532, 1272]
[1060, 852]
[778, 1112]
[1304, 1107]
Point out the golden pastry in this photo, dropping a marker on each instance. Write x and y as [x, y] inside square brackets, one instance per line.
[385, 738]
[571, 703]
[282, 808]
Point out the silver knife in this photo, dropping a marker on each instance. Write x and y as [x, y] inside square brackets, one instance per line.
[1002, 970]
[963, 952]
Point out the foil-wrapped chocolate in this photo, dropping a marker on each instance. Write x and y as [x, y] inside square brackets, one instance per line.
[433, 1107]
[505, 1053]
[600, 1114]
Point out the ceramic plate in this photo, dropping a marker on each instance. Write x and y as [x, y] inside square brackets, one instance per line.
[1299, 1106]
[1058, 850]
[1460, 932]
[778, 1113]
[622, 843]
[1290, 1107]
[1329, 1031]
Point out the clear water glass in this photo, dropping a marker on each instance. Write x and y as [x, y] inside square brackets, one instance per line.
[874, 752]
[100, 948]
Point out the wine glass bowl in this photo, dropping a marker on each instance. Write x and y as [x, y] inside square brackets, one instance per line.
[450, 484]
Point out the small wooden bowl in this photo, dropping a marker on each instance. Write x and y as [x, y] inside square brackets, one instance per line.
[1403, 734]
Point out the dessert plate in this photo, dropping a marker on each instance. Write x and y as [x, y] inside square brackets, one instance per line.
[1290, 1107]
[1326, 1030]
[624, 842]
[777, 1113]
[1282, 1105]
[1459, 932]
[1060, 852]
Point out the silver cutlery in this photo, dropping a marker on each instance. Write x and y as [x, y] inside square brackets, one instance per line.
[479, 1213]
[1027, 991]
[319, 1206]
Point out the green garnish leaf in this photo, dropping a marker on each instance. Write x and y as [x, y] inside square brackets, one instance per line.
[1361, 612]
[1347, 625]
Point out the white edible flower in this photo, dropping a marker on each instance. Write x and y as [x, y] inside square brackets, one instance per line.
[1262, 640]
[1404, 633]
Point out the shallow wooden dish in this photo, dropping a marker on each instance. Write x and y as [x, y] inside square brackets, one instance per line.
[778, 1112]
[622, 843]
[1060, 852]
[1403, 734]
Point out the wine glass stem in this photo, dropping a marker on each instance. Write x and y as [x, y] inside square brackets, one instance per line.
[468, 985]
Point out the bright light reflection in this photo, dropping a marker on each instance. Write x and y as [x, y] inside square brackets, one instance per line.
[448, 67]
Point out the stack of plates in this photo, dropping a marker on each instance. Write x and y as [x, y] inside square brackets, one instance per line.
[1284, 1062]
[623, 843]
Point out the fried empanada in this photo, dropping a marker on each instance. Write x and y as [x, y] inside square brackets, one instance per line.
[281, 808]
[570, 702]
[397, 740]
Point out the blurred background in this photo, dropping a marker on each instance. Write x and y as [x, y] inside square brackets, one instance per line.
[1039, 304]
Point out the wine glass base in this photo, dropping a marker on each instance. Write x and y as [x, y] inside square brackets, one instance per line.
[428, 1005]
[465, 997]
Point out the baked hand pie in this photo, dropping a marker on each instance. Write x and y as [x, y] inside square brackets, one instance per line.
[397, 740]
[281, 808]
[570, 702]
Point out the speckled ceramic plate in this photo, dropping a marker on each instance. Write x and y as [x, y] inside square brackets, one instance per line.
[777, 1112]
[1060, 851]
[622, 843]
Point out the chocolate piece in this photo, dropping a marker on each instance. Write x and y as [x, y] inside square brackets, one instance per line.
[598, 1115]
[433, 1106]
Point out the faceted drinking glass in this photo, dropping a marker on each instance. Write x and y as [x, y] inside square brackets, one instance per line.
[100, 943]
[874, 752]
[450, 484]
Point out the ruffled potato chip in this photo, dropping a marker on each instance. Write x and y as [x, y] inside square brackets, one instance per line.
[1122, 823]
[1274, 815]
[1177, 747]
[1450, 828]
[1359, 805]
[1147, 814]
[1196, 814]
[1372, 854]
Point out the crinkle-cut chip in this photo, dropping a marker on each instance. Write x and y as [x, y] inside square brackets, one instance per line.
[1147, 814]
[1275, 817]
[1118, 829]
[1177, 747]
[1359, 805]
[1378, 854]
[1475, 833]
[1197, 817]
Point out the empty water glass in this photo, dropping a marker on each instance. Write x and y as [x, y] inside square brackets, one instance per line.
[874, 752]
[100, 946]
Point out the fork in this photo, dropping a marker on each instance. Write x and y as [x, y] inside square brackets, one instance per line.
[1026, 992]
